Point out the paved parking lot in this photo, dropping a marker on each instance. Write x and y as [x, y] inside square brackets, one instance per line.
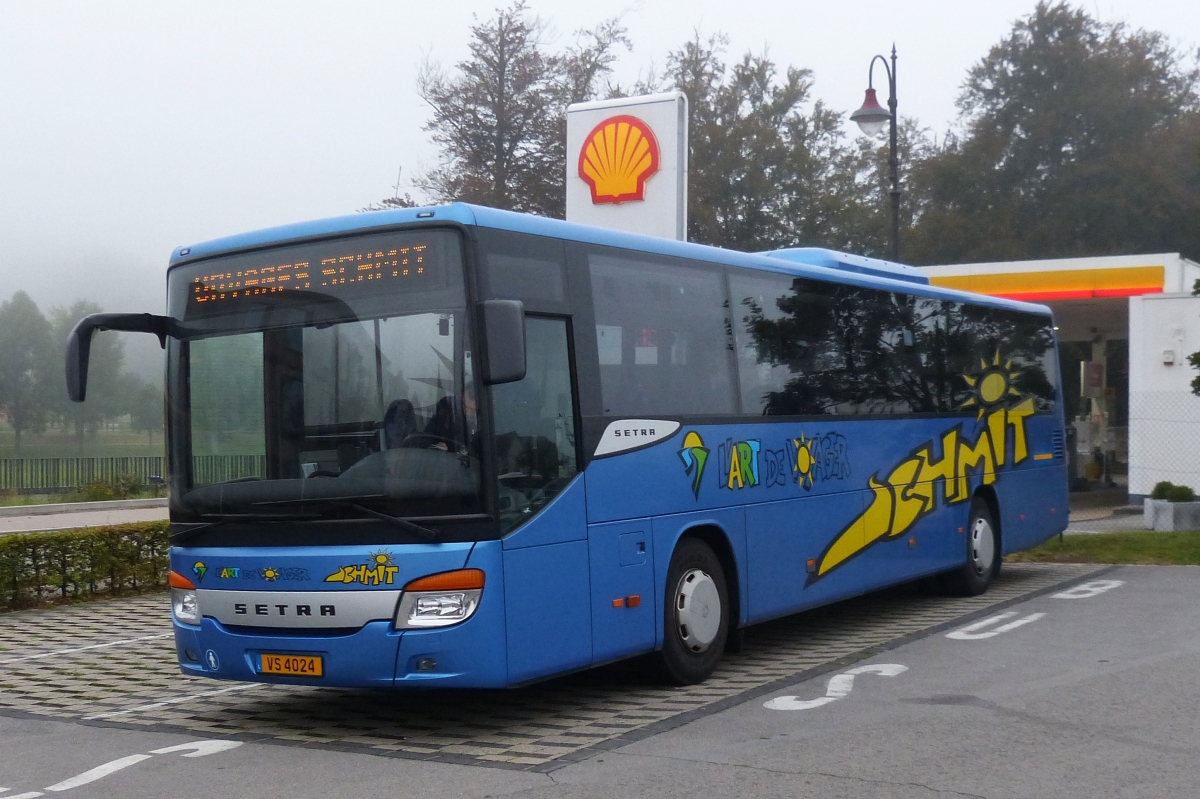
[112, 664]
[1067, 682]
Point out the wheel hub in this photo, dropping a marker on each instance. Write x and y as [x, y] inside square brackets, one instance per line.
[697, 610]
[983, 546]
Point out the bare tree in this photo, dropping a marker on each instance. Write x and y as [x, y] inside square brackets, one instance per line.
[499, 117]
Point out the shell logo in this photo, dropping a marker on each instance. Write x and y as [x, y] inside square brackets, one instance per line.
[617, 158]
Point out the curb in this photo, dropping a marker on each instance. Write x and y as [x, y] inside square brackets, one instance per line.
[81, 507]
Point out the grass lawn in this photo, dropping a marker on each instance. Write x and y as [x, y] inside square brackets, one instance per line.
[1144, 547]
[59, 443]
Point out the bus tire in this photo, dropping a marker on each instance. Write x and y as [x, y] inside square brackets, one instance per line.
[695, 614]
[983, 554]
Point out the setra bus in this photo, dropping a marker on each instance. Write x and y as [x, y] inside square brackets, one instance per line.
[458, 446]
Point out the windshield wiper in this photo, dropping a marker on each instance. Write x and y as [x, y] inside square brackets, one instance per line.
[404, 524]
[183, 537]
[329, 502]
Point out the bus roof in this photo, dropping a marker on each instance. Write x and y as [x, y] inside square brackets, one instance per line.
[814, 262]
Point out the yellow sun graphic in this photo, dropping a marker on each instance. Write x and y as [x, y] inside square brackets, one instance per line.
[381, 558]
[992, 386]
[805, 460]
[270, 574]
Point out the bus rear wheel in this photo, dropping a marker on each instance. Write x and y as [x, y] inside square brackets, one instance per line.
[695, 615]
[983, 554]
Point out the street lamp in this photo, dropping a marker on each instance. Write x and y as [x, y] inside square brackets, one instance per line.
[871, 118]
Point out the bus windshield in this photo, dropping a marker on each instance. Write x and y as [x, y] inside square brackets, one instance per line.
[325, 379]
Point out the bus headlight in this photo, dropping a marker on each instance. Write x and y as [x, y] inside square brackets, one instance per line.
[183, 599]
[440, 600]
[183, 605]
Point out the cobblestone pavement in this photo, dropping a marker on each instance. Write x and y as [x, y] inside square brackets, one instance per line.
[113, 663]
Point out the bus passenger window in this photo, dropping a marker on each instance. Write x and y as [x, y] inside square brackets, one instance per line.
[662, 336]
[535, 425]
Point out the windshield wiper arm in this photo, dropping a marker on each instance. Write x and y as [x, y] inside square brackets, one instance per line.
[258, 517]
[403, 524]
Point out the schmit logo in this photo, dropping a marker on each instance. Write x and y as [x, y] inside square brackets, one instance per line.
[617, 158]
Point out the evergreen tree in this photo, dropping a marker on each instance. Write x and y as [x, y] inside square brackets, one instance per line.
[106, 397]
[26, 357]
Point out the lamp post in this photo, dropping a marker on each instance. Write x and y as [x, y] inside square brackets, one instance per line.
[871, 119]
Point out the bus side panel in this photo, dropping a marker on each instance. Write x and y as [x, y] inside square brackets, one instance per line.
[561, 520]
[469, 654]
[1033, 506]
[933, 544]
[623, 598]
[783, 536]
[547, 610]
[731, 522]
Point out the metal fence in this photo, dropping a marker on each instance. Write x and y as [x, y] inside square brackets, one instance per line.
[31, 474]
[26, 475]
[208, 469]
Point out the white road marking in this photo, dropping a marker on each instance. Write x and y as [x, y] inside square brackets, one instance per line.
[839, 687]
[82, 649]
[193, 749]
[174, 701]
[201, 748]
[99, 771]
[971, 631]
[1085, 590]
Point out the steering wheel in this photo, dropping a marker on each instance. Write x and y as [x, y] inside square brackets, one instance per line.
[418, 439]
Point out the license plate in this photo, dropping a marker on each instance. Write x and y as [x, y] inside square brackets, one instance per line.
[293, 665]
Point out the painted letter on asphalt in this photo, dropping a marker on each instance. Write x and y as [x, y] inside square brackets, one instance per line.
[839, 687]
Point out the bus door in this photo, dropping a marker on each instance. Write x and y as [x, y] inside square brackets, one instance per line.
[542, 510]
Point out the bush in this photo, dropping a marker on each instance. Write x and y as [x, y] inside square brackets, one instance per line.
[122, 486]
[75, 564]
[1172, 492]
[1181, 494]
[1160, 490]
[98, 491]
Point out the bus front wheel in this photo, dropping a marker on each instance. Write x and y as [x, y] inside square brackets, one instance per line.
[695, 615]
[983, 554]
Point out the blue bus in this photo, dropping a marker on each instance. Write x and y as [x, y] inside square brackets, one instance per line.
[457, 446]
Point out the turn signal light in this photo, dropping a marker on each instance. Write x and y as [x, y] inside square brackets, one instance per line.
[177, 580]
[458, 580]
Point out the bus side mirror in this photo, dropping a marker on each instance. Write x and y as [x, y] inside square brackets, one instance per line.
[79, 342]
[503, 323]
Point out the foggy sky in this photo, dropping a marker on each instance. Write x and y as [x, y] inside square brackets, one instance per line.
[127, 129]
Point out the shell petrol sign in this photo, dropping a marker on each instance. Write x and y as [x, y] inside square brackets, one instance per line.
[627, 168]
[617, 158]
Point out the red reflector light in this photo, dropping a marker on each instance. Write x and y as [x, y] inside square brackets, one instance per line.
[633, 601]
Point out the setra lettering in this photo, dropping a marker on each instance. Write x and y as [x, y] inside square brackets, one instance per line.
[328, 610]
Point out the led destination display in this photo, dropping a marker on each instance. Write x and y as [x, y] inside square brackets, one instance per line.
[408, 264]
